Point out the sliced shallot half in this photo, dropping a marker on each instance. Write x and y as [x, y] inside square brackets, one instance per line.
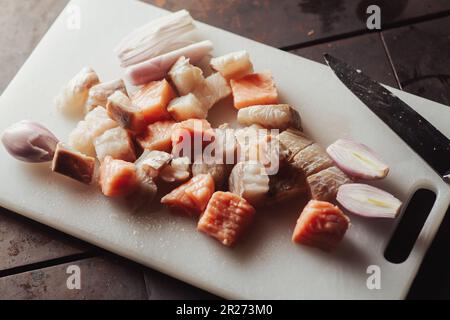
[357, 160]
[368, 201]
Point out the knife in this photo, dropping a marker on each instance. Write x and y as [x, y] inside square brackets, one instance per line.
[424, 138]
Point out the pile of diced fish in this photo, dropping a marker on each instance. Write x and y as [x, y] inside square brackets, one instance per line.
[134, 133]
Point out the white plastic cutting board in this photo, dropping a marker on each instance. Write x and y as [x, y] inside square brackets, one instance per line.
[265, 264]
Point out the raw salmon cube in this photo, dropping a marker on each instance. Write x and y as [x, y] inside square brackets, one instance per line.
[157, 136]
[226, 217]
[152, 99]
[321, 225]
[312, 159]
[192, 197]
[118, 177]
[254, 89]
[324, 185]
[190, 136]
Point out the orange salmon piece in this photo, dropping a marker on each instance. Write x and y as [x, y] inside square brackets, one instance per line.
[157, 136]
[226, 217]
[254, 89]
[185, 133]
[192, 197]
[152, 101]
[117, 177]
[321, 225]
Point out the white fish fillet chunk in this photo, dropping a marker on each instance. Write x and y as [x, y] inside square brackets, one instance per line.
[98, 94]
[250, 180]
[177, 171]
[233, 65]
[214, 89]
[185, 76]
[95, 124]
[73, 96]
[187, 107]
[116, 143]
[152, 162]
[279, 116]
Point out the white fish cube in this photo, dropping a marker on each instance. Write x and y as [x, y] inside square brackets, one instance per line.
[185, 76]
[233, 65]
[187, 107]
[116, 143]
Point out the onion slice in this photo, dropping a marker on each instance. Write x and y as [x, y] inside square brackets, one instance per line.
[368, 201]
[357, 160]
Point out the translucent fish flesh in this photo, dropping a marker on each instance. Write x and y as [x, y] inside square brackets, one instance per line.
[293, 141]
[185, 76]
[177, 171]
[233, 65]
[321, 225]
[312, 159]
[187, 107]
[324, 185]
[116, 143]
[95, 124]
[73, 96]
[279, 116]
[98, 94]
[214, 89]
[250, 181]
[218, 172]
[152, 162]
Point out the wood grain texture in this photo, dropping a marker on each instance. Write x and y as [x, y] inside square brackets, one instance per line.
[421, 53]
[363, 52]
[282, 23]
[101, 279]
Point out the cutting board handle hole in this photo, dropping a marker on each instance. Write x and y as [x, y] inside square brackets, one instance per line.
[408, 229]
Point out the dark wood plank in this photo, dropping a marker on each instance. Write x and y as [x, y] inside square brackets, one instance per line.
[282, 23]
[421, 56]
[162, 287]
[363, 52]
[23, 242]
[101, 278]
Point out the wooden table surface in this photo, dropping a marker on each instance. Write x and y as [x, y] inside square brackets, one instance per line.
[412, 52]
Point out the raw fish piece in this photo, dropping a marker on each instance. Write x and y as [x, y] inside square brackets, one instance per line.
[293, 141]
[145, 192]
[161, 35]
[214, 89]
[185, 76]
[187, 107]
[73, 164]
[177, 171]
[121, 109]
[98, 94]
[115, 142]
[250, 181]
[288, 183]
[279, 116]
[95, 124]
[190, 137]
[312, 159]
[226, 217]
[216, 170]
[324, 185]
[233, 65]
[152, 162]
[152, 100]
[156, 68]
[157, 136]
[192, 197]
[118, 177]
[254, 89]
[73, 96]
[225, 144]
[321, 225]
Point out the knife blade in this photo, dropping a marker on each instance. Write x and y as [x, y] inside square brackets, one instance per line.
[424, 138]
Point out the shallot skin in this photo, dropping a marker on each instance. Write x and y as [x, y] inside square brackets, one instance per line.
[29, 141]
[157, 68]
